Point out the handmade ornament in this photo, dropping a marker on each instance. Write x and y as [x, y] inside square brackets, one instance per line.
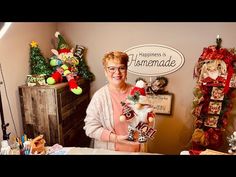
[212, 103]
[138, 114]
[66, 62]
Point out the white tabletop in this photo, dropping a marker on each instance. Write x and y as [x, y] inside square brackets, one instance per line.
[92, 151]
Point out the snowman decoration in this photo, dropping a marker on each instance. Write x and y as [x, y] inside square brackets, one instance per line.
[138, 113]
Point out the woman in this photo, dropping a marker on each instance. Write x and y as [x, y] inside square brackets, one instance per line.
[102, 121]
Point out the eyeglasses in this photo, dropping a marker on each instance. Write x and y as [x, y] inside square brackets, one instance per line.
[113, 69]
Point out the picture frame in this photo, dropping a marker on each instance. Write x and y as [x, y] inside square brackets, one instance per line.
[214, 107]
[162, 103]
[217, 93]
[33, 80]
[211, 121]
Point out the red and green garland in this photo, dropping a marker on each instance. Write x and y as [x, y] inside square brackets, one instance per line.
[215, 74]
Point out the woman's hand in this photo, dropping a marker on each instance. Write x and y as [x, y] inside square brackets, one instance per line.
[121, 139]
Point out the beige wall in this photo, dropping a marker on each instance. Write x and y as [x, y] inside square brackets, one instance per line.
[14, 59]
[173, 132]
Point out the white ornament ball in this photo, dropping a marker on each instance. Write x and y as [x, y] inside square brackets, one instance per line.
[150, 119]
[122, 118]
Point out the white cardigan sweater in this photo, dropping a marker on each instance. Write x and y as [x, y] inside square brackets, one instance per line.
[99, 117]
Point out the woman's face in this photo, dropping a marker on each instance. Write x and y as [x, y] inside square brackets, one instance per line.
[116, 73]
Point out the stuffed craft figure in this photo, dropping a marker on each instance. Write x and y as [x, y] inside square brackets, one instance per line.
[66, 64]
[138, 114]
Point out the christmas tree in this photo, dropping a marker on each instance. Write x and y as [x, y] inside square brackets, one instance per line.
[37, 61]
[83, 69]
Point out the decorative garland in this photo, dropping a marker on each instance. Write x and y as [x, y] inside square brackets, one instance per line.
[212, 103]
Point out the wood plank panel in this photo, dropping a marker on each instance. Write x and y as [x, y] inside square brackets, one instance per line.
[54, 111]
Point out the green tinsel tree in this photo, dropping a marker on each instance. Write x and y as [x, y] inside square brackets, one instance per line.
[84, 72]
[83, 69]
[38, 63]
